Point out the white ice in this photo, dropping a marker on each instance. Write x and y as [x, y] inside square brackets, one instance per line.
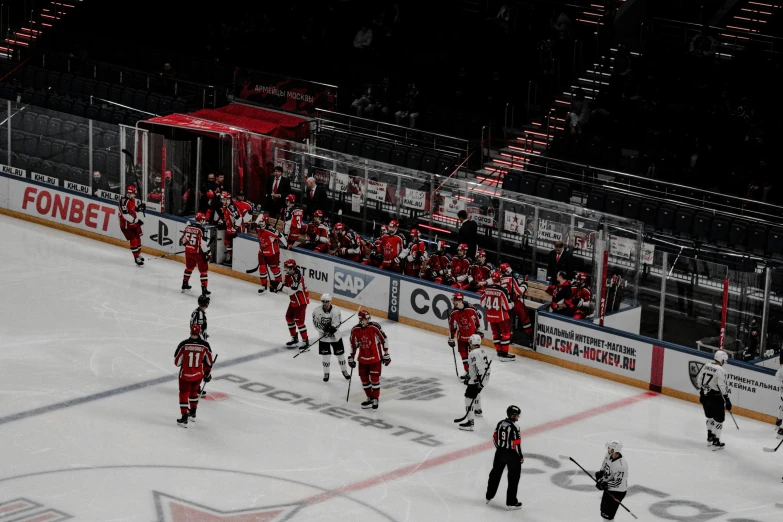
[82, 330]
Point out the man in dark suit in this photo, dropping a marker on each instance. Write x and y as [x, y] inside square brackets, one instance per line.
[315, 198]
[277, 188]
[468, 233]
[560, 260]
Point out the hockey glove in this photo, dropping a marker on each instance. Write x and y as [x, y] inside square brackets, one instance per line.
[481, 334]
[139, 222]
[728, 402]
[208, 377]
[143, 206]
[351, 362]
[599, 475]
[603, 486]
[451, 342]
[386, 359]
[331, 330]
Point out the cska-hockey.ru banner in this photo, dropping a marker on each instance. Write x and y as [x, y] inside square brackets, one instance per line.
[583, 343]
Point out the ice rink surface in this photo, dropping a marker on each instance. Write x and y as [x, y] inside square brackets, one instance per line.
[88, 403]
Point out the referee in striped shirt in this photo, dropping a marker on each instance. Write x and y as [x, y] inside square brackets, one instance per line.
[508, 452]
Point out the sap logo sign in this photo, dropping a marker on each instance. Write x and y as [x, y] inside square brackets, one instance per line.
[349, 283]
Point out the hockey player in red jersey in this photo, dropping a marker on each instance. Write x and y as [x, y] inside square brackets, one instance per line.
[393, 248]
[317, 234]
[478, 273]
[463, 322]
[294, 224]
[231, 218]
[369, 340]
[269, 241]
[581, 295]
[437, 266]
[197, 252]
[561, 296]
[517, 289]
[245, 211]
[294, 286]
[460, 266]
[498, 304]
[130, 223]
[349, 244]
[194, 359]
[416, 254]
[375, 257]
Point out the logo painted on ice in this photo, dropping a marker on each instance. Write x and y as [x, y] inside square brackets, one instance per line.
[162, 237]
[349, 283]
[693, 371]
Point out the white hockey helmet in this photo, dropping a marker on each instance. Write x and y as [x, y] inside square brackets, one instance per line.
[326, 298]
[721, 356]
[474, 341]
[614, 445]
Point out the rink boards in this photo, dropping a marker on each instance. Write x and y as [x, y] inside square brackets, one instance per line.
[578, 345]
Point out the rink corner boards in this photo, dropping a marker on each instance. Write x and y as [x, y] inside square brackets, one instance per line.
[580, 346]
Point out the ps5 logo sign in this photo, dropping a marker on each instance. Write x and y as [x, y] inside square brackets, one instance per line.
[349, 283]
[162, 237]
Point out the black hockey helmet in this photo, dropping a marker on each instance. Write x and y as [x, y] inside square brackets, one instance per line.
[203, 300]
[513, 410]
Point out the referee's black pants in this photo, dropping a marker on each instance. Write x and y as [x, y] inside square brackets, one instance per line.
[503, 458]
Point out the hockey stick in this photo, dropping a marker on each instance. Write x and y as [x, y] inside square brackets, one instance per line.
[307, 348]
[474, 398]
[347, 395]
[773, 450]
[210, 371]
[732, 415]
[596, 481]
[455, 359]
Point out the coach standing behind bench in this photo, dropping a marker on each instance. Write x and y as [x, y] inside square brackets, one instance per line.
[277, 188]
[468, 233]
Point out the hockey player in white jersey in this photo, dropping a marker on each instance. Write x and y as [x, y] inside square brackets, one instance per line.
[779, 379]
[714, 396]
[612, 479]
[326, 319]
[478, 372]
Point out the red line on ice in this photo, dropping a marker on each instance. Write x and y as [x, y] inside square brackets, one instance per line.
[472, 450]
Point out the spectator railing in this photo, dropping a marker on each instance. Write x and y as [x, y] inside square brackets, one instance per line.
[391, 133]
[584, 178]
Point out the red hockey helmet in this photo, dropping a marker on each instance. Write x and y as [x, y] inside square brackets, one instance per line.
[195, 329]
[131, 189]
[200, 217]
[364, 315]
[393, 223]
[290, 264]
[291, 198]
[318, 214]
[442, 245]
[581, 278]
[481, 253]
[458, 297]
[226, 195]
[415, 233]
[462, 246]
[496, 276]
[339, 228]
[505, 268]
